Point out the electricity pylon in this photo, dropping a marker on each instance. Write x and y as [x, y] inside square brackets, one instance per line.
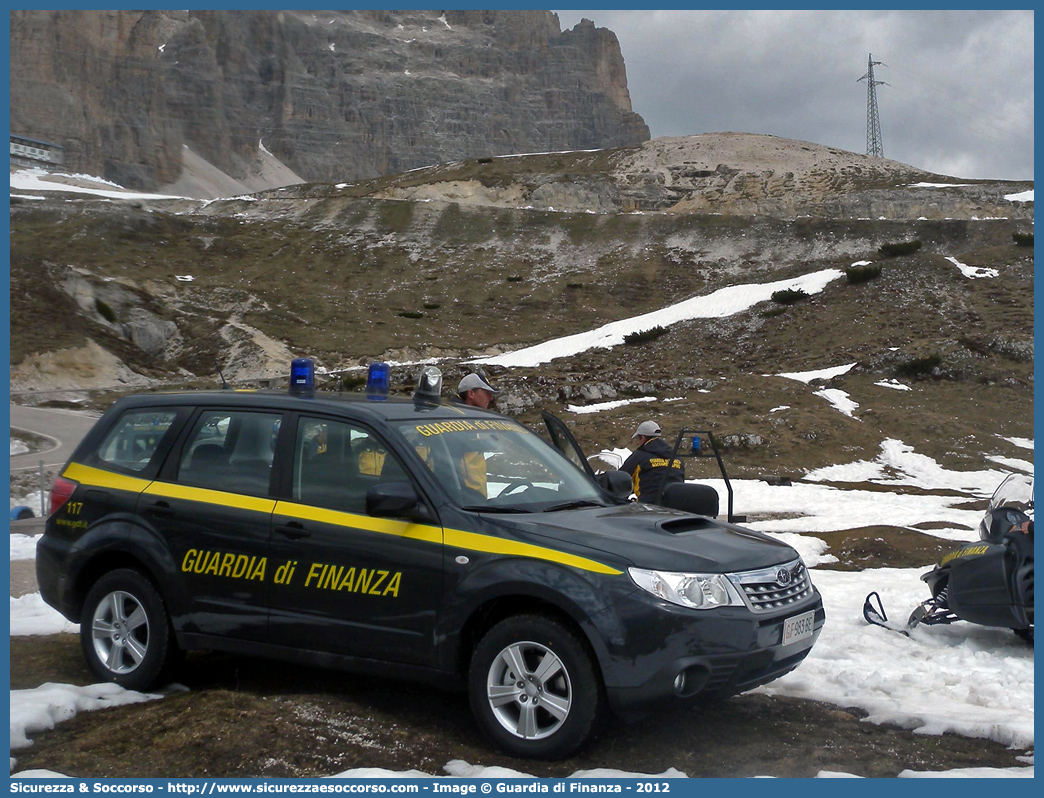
[874, 142]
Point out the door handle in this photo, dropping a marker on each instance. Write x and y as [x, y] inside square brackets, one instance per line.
[294, 530]
[162, 509]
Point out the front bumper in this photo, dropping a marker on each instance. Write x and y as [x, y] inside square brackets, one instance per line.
[718, 652]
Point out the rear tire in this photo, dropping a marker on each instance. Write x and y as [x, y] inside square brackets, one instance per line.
[125, 630]
[534, 688]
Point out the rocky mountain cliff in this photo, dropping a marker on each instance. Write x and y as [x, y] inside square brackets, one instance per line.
[334, 95]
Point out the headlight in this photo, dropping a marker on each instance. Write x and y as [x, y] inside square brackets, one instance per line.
[698, 591]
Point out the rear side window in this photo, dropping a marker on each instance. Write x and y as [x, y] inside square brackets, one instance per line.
[133, 440]
[336, 463]
[230, 450]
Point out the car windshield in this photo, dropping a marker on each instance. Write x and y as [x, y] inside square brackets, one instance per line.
[497, 465]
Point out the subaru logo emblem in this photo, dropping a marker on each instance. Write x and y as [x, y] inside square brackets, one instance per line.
[783, 576]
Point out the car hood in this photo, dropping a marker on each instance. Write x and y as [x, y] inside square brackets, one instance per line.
[655, 537]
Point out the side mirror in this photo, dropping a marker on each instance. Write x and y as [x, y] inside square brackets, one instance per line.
[396, 500]
[616, 483]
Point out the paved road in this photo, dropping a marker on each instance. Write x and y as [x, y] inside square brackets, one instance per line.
[64, 427]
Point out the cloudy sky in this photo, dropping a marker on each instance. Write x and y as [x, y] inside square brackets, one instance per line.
[959, 99]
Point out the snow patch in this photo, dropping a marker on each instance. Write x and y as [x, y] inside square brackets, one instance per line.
[816, 374]
[840, 400]
[1022, 443]
[894, 384]
[41, 708]
[31, 616]
[598, 408]
[1022, 196]
[972, 272]
[1011, 462]
[23, 547]
[724, 302]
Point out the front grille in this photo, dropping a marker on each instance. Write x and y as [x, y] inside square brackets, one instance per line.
[770, 589]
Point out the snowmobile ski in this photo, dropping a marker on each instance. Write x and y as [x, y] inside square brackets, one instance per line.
[876, 615]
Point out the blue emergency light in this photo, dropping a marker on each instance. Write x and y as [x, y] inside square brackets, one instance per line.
[302, 376]
[378, 381]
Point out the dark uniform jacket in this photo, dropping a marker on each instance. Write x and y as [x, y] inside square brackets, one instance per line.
[651, 466]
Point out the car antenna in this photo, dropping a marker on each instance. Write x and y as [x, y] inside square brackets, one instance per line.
[224, 384]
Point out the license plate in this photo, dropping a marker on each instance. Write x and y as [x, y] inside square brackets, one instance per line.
[798, 628]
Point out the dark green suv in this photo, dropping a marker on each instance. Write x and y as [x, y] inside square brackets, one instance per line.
[427, 540]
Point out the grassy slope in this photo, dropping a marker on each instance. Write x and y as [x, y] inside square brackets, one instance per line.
[349, 280]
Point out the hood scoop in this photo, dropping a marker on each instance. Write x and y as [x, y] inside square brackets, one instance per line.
[679, 526]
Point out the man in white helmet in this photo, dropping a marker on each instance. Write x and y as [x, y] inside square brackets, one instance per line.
[652, 465]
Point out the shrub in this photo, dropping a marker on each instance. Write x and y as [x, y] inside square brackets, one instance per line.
[574, 285]
[1023, 239]
[788, 296]
[899, 248]
[105, 311]
[350, 382]
[644, 336]
[919, 366]
[432, 305]
[514, 279]
[768, 314]
[862, 274]
[411, 314]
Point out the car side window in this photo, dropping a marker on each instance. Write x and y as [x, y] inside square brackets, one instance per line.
[230, 450]
[336, 463]
[134, 438]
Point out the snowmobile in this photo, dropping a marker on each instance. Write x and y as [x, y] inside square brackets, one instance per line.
[988, 583]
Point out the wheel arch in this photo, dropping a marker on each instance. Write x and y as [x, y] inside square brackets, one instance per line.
[498, 608]
[101, 564]
[502, 587]
[130, 546]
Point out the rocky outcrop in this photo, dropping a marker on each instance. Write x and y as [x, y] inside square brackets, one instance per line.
[735, 174]
[758, 175]
[334, 95]
[83, 368]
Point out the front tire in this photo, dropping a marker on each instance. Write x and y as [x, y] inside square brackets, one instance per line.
[125, 630]
[534, 688]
